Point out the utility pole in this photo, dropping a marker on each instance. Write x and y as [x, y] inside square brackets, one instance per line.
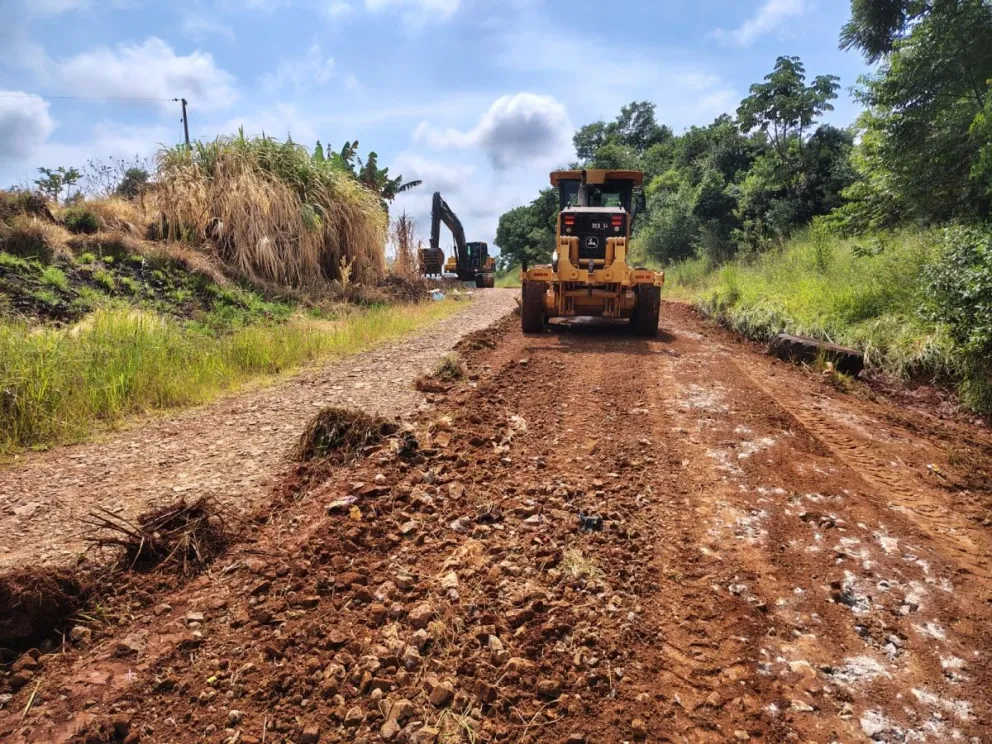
[185, 118]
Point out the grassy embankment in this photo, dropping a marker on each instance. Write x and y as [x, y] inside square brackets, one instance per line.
[874, 294]
[245, 260]
[61, 383]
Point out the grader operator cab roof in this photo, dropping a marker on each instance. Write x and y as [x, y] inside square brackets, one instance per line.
[596, 176]
[610, 188]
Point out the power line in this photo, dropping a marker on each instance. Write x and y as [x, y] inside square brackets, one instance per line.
[183, 101]
[85, 98]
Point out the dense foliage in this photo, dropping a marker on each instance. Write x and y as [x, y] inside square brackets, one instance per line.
[737, 183]
[776, 221]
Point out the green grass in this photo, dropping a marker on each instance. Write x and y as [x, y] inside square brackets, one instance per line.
[60, 384]
[508, 279]
[54, 277]
[865, 293]
[105, 279]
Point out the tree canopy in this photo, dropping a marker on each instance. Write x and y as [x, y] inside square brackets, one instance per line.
[921, 150]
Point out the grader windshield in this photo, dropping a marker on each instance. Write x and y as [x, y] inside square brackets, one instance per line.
[614, 193]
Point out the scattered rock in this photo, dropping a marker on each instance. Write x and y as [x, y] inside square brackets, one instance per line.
[639, 729]
[354, 716]
[80, 634]
[421, 615]
[442, 694]
[311, 733]
[549, 689]
[426, 735]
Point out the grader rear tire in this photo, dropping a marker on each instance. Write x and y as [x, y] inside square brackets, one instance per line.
[532, 310]
[644, 321]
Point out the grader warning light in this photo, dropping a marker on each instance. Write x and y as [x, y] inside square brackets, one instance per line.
[589, 274]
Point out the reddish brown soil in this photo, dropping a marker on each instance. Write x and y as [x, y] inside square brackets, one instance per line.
[777, 563]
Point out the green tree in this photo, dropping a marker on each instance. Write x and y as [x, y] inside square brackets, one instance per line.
[54, 181]
[927, 103]
[527, 234]
[377, 180]
[589, 139]
[133, 183]
[784, 108]
[635, 128]
[876, 25]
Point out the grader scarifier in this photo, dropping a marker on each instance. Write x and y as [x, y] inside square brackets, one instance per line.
[589, 274]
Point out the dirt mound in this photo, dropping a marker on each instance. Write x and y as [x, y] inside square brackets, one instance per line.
[448, 371]
[34, 604]
[342, 432]
[181, 537]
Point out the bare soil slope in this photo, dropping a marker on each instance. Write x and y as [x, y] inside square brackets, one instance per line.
[776, 563]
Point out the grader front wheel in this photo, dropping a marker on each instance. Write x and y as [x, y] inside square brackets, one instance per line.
[532, 310]
[644, 321]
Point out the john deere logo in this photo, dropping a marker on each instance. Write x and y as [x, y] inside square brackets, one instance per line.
[592, 242]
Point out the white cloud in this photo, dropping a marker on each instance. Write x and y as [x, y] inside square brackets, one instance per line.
[444, 177]
[351, 82]
[681, 87]
[25, 124]
[300, 73]
[771, 16]
[199, 27]
[516, 130]
[339, 9]
[148, 70]
[279, 121]
[416, 12]
[54, 7]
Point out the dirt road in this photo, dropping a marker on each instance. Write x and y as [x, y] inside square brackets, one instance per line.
[234, 449]
[776, 563]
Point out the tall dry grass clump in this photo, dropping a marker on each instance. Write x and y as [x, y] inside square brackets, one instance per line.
[404, 238]
[272, 212]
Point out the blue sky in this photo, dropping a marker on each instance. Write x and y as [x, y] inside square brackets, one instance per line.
[478, 98]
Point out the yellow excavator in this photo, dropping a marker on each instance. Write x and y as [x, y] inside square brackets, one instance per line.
[470, 262]
[589, 273]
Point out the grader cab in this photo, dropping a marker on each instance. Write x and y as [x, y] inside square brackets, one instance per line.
[589, 273]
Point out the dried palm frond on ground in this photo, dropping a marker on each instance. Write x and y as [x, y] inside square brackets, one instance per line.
[182, 536]
[34, 603]
[342, 432]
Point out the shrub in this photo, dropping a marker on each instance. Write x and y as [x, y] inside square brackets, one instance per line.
[29, 237]
[18, 202]
[80, 221]
[959, 284]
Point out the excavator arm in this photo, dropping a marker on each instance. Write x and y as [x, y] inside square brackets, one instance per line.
[441, 212]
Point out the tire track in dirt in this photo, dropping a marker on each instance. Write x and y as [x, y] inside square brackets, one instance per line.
[890, 615]
[749, 584]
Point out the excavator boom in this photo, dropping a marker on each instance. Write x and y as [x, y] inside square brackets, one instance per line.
[441, 212]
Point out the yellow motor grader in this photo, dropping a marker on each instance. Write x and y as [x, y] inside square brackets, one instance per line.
[589, 274]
